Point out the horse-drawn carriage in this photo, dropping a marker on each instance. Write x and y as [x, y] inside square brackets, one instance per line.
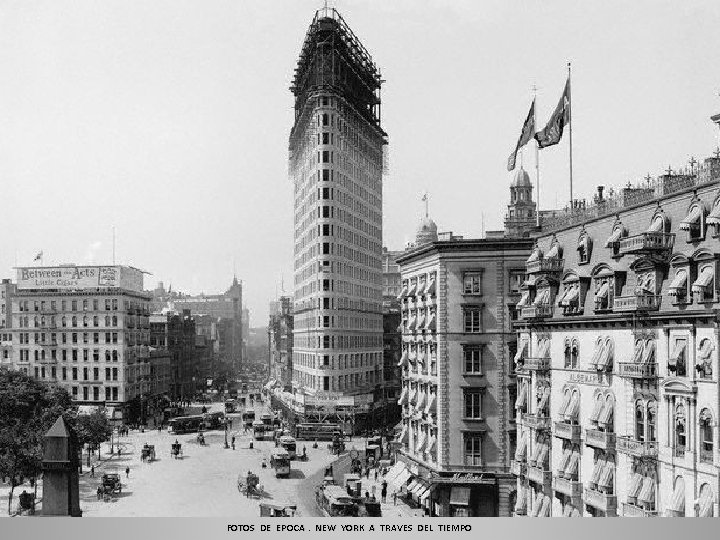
[249, 485]
[200, 438]
[176, 450]
[109, 484]
[148, 452]
[268, 509]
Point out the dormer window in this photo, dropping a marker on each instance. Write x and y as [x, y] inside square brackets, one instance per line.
[713, 219]
[584, 247]
[694, 222]
[613, 241]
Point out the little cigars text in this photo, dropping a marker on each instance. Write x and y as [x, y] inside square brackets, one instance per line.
[380, 527]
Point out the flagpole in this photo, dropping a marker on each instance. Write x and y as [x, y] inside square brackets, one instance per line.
[570, 133]
[537, 159]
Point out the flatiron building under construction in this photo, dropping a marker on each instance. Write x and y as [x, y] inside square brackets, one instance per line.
[336, 165]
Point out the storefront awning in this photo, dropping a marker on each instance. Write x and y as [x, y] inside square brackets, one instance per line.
[677, 502]
[460, 496]
[394, 471]
[401, 479]
[707, 502]
[85, 410]
[714, 216]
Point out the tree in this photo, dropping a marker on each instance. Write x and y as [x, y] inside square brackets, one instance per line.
[28, 408]
[93, 428]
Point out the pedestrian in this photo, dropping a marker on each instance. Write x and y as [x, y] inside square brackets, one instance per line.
[395, 498]
[92, 471]
[127, 472]
[376, 474]
[233, 442]
[383, 492]
[367, 496]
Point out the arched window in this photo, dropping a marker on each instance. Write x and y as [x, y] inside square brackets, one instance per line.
[85, 320]
[706, 436]
[42, 321]
[574, 354]
[35, 321]
[680, 433]
[74, 321]
[706, 502]
[107, 320]
[639, 422]
[651, 420]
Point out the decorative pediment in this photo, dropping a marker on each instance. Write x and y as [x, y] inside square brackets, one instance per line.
[679, 259]
[618, 233]
[659, 221]
[676, 386]
[703, 254]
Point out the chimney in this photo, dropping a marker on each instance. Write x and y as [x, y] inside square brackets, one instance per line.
[600, 190]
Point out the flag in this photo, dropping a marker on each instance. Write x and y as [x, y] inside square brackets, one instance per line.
[552, 132]
[38, 257]
[527, 133]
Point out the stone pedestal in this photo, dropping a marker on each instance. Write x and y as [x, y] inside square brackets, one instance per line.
[61, 491]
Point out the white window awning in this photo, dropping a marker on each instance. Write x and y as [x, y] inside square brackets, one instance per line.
[679, 282]
[413, 289]
[606, 357]
[431, 322]
[404, 358]
[553, 252]
[572, 466]
[421, 443]
[542, 298]
[430, 289]
[522, 395]
[595, 414]
[403, 396]
[572, 296]
[431, 404]
[411, 324]
[606, 413]
[639, 349]
[521, 350]
[565, 459]
[565, 403]
[705, 277]
[535, 255]
[597, 470]
[707, 502]
[692, 219]
[635, 485]
[678, 350]
[607, 474]
[544, 399]
[714, 216]
[677, 502]
[521, 501]
[404, 292]
[574, 408]
[524, 299]
[656, 225]
[614, 237]
[421, 401]
[432, 444]
[647, 491]
[648, 356]
[521, 450]
[545, 510]
[544, 349]
[421, 321]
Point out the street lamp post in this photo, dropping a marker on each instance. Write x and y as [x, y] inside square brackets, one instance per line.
[226, 430]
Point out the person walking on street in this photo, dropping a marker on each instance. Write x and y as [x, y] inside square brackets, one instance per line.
[376, 474]
[395, 498]
[233, 442]
[92, 471]
[127, 472]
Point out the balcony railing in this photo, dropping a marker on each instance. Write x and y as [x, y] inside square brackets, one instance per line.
[630, 445]
[537, 364]
[570, 432]
[538, 475]
[602, 501]
[571, 488]
[518, 468]
[537, 312]
[646, 242]
[637, 371]
[599, 439]
[637, 302]
[545, 265]
[537, 422]
[631, 510]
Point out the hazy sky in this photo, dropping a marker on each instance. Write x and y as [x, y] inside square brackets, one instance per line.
[169, 119]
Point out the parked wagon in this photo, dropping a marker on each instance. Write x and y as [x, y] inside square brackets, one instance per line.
[148, 452]
[249, 485]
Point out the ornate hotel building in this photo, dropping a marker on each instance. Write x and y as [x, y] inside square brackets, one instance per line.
[617, 355]
[458, 381]
[87, 329]
[336, 165]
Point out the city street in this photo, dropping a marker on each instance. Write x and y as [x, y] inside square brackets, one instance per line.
[203, 482]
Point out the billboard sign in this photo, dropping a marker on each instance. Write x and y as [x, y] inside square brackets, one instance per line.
[79, 277]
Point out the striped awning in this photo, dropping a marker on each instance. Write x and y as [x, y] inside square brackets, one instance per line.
[544, 399]
[431, 403]
[565, 459]
[607, 474]
[714, 216]
[705, 278]
[606, 413]
[605, 359]
[567, 396]
[677, 503]
[553, 252]
[647, 491]
[707, 502]
[521, 349]
[597, 470]
[537, 505]
[403, 396]
[573, 463]
[524, 299]
[430, 289]
[521, 500]
[656, 225]
[574, 408]
[546, 506]
[421, 443]
[595, 414]
[648, 356]
[692, 219]
[635, 485]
